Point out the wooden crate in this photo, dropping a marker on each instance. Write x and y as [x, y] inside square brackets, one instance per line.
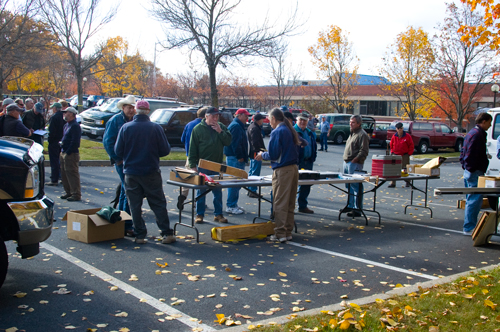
[242, 231]
[224, 169]
[484, 228]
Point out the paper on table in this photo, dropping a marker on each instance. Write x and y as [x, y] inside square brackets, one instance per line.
[255, 177]
[40, 132]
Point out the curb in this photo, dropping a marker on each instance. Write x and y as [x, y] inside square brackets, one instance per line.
[364, 300]
[95, 163]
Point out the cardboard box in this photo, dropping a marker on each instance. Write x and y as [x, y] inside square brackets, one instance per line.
[418, 169]
[488, 182]
[86, 226]
[221, 168]
[187, 176]
[461, 204]
[242, 231]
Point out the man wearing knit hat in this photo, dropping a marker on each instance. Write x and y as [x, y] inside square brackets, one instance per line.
[140, 145]
[35, 120]
[6, 102]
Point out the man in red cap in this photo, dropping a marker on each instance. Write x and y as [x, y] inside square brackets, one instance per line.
[237, 156]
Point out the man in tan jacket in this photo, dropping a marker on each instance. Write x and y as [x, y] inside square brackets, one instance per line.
[355, 153]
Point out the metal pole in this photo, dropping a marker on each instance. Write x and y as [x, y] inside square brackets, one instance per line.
[494, 99]
[154, 72]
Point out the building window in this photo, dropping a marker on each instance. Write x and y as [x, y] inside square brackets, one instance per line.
[373, 107]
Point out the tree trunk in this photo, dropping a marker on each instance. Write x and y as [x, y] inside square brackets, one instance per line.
[79, 80]
[213, 86]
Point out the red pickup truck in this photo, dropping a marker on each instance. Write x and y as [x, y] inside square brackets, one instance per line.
[429, 135]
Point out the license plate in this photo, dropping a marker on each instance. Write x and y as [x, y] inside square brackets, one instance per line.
[93, 132]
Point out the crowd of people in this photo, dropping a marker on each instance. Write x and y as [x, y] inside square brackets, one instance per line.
[135, 144]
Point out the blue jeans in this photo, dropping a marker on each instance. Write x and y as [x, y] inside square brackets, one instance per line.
[217, 192]
[323, 139]
[233, 193]
[122, 202]
[474, 202]
[356, 196]
[255, 167]
[55, 166]
[304, 190]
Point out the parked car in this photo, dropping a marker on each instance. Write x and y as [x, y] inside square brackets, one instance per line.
[26, 213]
[74, 102]
[297, 111]
[92, 100]
[491, 142]
[379, 134]
[94, 120]
[173, 121]
[429, 135]
[339, 126]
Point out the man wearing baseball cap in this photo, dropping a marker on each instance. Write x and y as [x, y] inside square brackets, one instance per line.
[208, 139]
[12, 124]
[237, 156]
[70, 156]
[6, 102]
[34, 119]
[140, 144]
[254, 134]
[113, 126]
[56, 131]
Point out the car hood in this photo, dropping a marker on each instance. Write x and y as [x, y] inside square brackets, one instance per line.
[18, 148]
[96, 114]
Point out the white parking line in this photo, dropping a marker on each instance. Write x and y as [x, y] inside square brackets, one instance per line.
[385, 266]
[155, 303]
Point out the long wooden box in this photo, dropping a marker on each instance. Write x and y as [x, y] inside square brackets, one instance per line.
[235, 232]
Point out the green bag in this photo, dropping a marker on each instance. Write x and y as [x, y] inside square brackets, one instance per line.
[110, 214]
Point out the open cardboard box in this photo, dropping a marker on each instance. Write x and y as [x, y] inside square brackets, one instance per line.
[488, 182]
[86, 226]
[187, 176]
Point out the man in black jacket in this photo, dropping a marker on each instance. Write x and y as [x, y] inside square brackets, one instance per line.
[56, 125]
[33, 119]
[254, 133]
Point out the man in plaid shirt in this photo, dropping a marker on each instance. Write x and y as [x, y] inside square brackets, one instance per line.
[474, 160]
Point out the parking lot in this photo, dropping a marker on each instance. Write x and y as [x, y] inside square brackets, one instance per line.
[182, 287]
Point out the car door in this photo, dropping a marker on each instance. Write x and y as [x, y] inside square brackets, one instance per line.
[448, 137]
[176, 126]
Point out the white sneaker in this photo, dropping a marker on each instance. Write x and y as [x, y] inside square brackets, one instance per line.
[168, 239]
[235, 210]
[469, 233]
[273, 238]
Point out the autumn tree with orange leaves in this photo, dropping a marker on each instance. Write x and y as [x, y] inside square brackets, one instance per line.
[335, 60]
[488, 32]
[408, 65]
[463, 68]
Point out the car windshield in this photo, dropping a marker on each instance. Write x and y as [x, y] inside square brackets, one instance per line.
[406, 125]
[110, 106]
[161, 116]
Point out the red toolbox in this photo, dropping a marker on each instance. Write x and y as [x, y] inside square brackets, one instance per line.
[386, 166]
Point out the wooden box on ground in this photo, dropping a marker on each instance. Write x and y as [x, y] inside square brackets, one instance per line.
[242, 231]
[86, 226]
[187, 176]
[220, 168]
[488, 182]
[485, 227]
[461, 204]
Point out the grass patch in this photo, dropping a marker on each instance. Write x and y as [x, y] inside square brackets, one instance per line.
[446, 154]
[90, 150]
[467, 304]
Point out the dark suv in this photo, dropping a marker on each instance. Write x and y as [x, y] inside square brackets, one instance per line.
[429, 135]
[339, 126]
[94, 120]
[26, 213]
[173, 121]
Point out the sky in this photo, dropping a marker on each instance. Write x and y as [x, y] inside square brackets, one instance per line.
[372, 27]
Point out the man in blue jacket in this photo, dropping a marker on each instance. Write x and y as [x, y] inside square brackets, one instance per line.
[237, 156]
[113, 126]
[140, 145]
[70, 156]
[307, 157]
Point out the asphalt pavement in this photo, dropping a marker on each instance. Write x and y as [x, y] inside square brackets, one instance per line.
[327, 260]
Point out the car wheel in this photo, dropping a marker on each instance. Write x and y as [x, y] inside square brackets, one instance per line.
[4, 262]
[423, 147]
[458, 145]
[92, 136]
[338, 139]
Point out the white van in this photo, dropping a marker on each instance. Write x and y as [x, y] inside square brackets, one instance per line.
[491, 142]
